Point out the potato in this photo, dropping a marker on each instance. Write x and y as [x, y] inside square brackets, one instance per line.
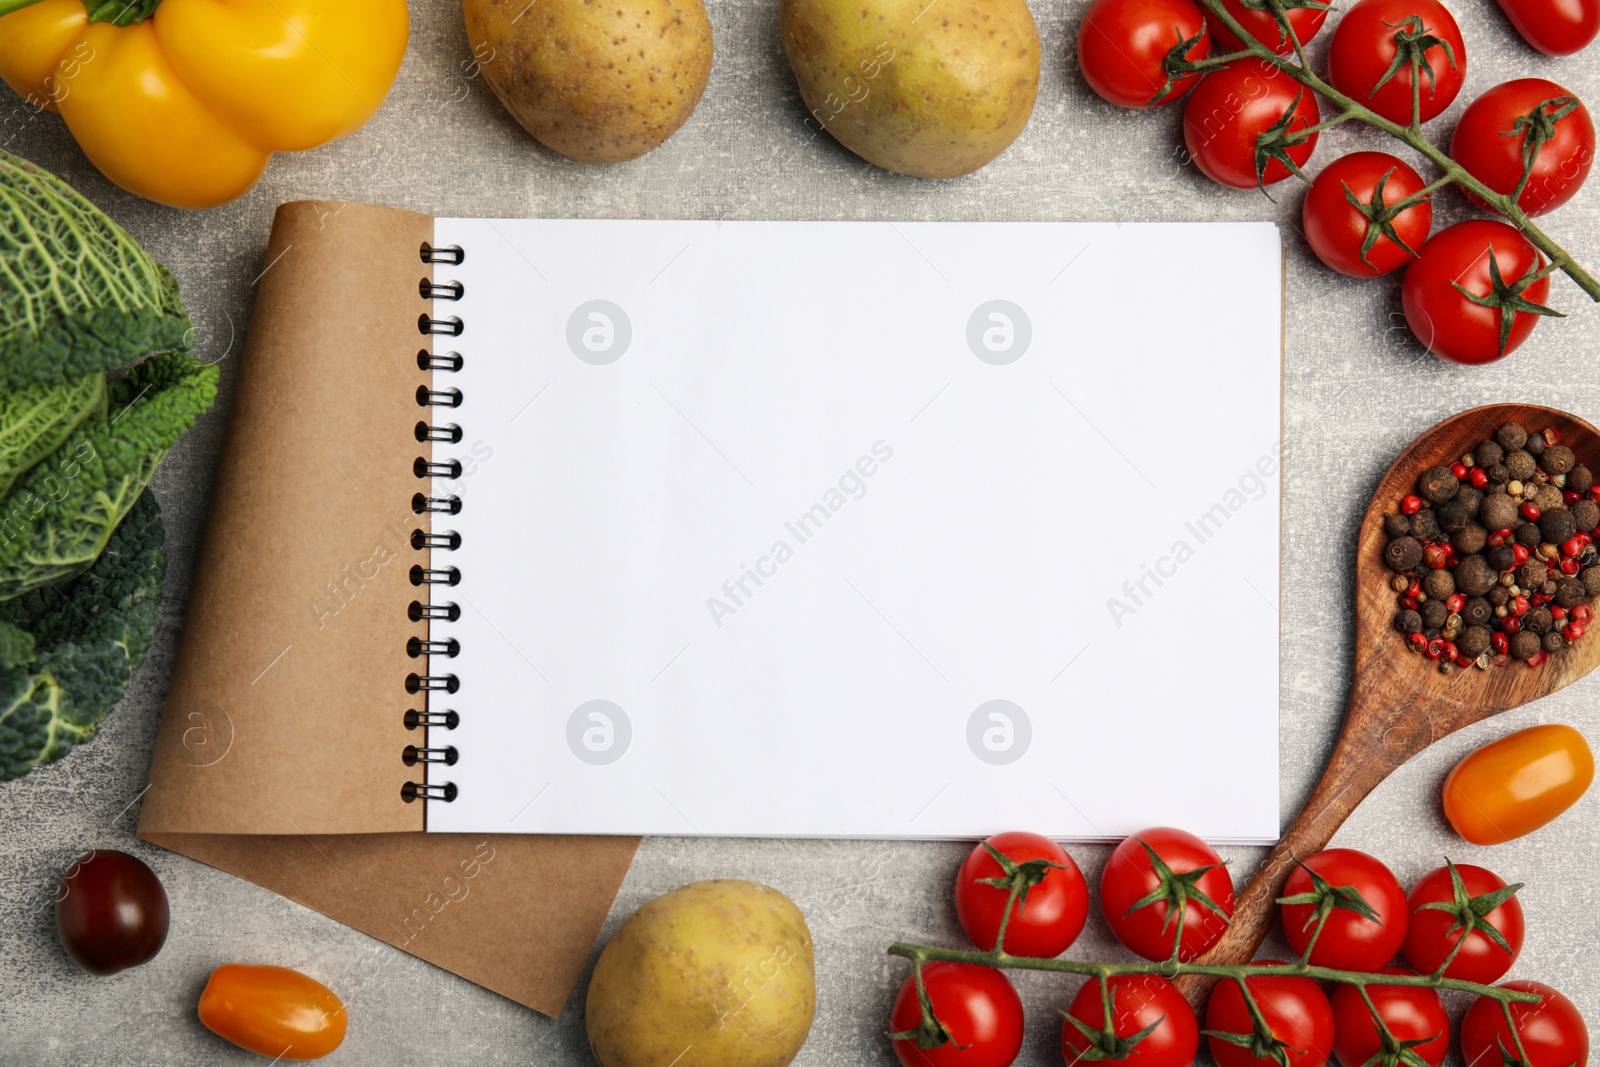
[598, 81]
[715, 974]
[932, 88]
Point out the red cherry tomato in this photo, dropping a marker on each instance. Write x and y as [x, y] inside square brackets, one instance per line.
[1496, 128]
[1432, 931]
[1137, 1001]
[1444, 319]
[111, 912]
[1372, 33]
[1555, 27]
[1338, 230]
[1350, 939]
[979, 1008]
[1553, 1033]
[1264, 28]
[1412, 1013]
[1296, 1010]
[1185, 868]
[1122, 45]
[1050, 912]
[1234, 106]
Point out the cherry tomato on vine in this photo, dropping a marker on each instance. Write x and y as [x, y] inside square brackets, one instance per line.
[1263, 27]
[1366, 238]
[1553, 1033]
[111, 912]
[1375, 44]
[1295, 1009]
[1502, 301]
[273, 1011]
[1412, 1013]
[1555, 27]
[1517, 784]
[1517, 117]
[1463, 903]
[1051, 907]
[1233, 108]
[1152, 878]
[1364, 905]
[1137, 1001]
[1123, 45]
[980, 1010]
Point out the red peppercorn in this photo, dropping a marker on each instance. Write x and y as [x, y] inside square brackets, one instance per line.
[1497, 539]
[1569, 497]
[1558, 613]
[1520, 605]
[1414, 590]
[1587, 539]
[1541, 599]
[1454, 603]
[1538, 658]
[1574, 631]
[1435, 648]
[1594, 492]
[1435, 556]
[1459, 469]
[1552, 437]
[1511, 624]
[1478, 477]
[1412, 504]
[1582, 613]
[1418, 640]
[1569, 567]
[1448, 652]
[1520, 554]
[1499, 642]
[1571, 547]
[1531, 512]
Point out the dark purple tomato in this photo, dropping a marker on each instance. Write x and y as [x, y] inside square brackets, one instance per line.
[111, 912]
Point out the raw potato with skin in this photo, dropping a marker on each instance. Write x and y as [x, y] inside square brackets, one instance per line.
[715, 974]
[932, 90]
[601, 81]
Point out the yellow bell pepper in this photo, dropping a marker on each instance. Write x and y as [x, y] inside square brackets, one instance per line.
[184, 101]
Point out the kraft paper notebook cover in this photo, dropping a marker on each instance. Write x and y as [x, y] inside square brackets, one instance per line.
[819, 529]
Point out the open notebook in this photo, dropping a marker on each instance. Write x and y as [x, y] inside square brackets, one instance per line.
[856, 529]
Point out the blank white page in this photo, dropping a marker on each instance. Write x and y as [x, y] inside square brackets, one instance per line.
[860, 529]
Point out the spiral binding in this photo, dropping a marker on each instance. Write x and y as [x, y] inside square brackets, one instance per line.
[426, 682]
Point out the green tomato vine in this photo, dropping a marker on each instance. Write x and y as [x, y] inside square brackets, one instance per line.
[1323, 896]
[1411, 44]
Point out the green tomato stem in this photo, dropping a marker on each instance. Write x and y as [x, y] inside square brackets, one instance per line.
[1505, 205]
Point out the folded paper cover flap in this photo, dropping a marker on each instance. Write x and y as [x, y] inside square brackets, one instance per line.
[285, 713]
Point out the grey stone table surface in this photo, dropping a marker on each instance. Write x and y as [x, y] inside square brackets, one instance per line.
[1357, 389]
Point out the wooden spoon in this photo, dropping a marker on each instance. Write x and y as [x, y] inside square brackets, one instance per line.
[1400, 702]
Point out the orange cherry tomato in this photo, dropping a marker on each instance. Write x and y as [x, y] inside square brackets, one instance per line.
[273, 1011]
[1517, 784]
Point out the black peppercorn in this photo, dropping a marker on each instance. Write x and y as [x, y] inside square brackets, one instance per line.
[1476, 611]
[1470, 539]
[1396, 525]
[1539, 620]
[1471, 499]
[1498, 512]
[1535, 445]
[1501, 559]
[1531, 575]
[1498, 474]
[1521, 465]
[1437, 485]
[1439, 584]
[1452, 515]
[1498, 595]
[1511, 436]
[1474, 576]
[1570, 592]
[1591, 580]
[1524, 644]
[1586, 513]
[1558, 459]
[1403, 554]
[1408, 622]
[1553, 642]
[1557, 527]
[1527, 535]
[1579, 479]
[1434, 614]
[1473, 642]
[1425, 525]
[1488, 454]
